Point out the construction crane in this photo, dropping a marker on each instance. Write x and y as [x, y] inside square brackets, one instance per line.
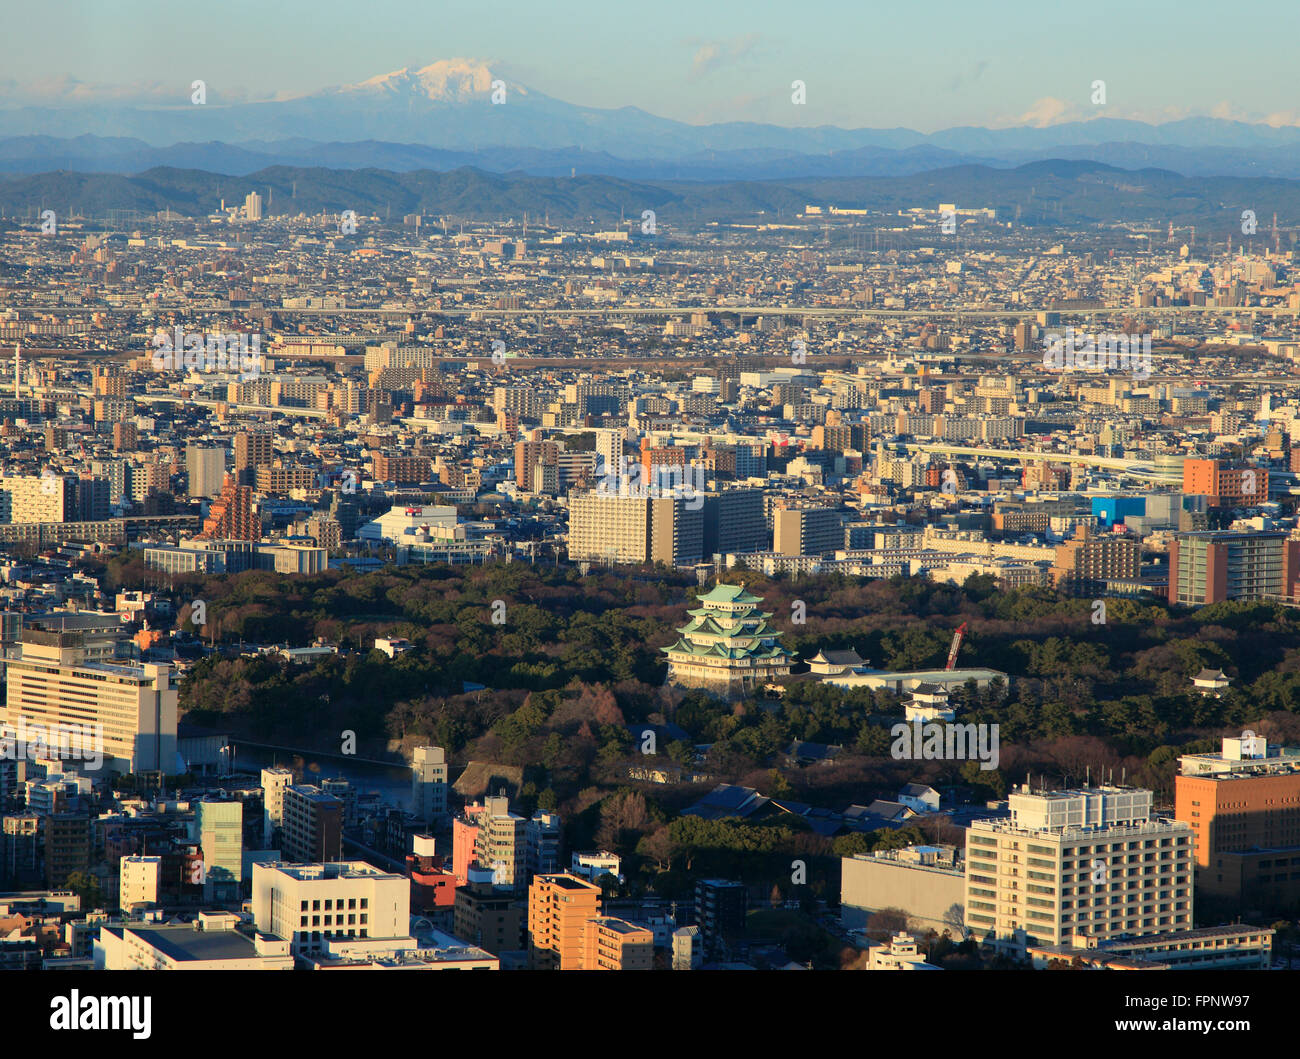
[956, 646]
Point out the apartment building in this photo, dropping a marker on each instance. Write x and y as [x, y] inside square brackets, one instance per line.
[37, 498]
[720, 909]
[429, 782]
[68, 839]
[733, 522]
[231, 517]
[807, 531]
[312, 828]
[205, 468]
[403, 470]
[608, 528]
[1089, 560]
[610, 944]
[253, 449]
[676, 530]
[1092, 861]
[275, 781]
[496, 921]
[558, 909]
[139, 881]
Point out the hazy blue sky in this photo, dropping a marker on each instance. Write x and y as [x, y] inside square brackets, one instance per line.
[924, 65]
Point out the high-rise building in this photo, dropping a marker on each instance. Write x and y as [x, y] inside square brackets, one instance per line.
[253, 206]
[490, 919]
[253, 449]
[93, 503]
[542, 834]
[347, 794]
[1210, 566]
[429, 782]
[20, 849]
[604, 527]
[502, 844]
[25, 499]
[220, 827]
[54, 684]
[68, 840]
[312, 830]
[528, 454]
[734, 522]
[807, 531]
[1089, 862]
[1243, 806]
[676, 530]
[558, 909]
[231, 516]
[274, 783]
[720, 908]
[205, 466]
[464, 841]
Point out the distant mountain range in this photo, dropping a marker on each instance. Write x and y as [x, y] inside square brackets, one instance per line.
[1077, 193]
[442, 117]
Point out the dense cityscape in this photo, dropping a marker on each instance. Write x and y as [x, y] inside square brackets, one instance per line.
[571, 572]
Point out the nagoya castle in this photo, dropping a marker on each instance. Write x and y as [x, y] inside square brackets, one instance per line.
[728, 647]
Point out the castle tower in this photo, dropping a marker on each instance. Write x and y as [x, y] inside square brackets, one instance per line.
[729, 646]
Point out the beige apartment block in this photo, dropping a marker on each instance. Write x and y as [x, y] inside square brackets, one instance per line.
[608, 528]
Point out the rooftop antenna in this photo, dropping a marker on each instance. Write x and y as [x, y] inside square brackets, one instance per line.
[1087, 775]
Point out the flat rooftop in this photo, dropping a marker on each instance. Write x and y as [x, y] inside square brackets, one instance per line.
[184, 943]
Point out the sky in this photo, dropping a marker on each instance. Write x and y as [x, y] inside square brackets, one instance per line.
[925, 66]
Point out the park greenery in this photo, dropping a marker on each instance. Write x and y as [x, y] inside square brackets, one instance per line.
[573, 660]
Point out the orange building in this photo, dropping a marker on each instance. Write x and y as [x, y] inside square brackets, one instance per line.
[558, 909]
[1226, 484]
[653, 458]
[231, 516]
[1244, 809]
[616, 945]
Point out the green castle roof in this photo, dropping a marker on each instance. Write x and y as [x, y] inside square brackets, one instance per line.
[730, 594]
